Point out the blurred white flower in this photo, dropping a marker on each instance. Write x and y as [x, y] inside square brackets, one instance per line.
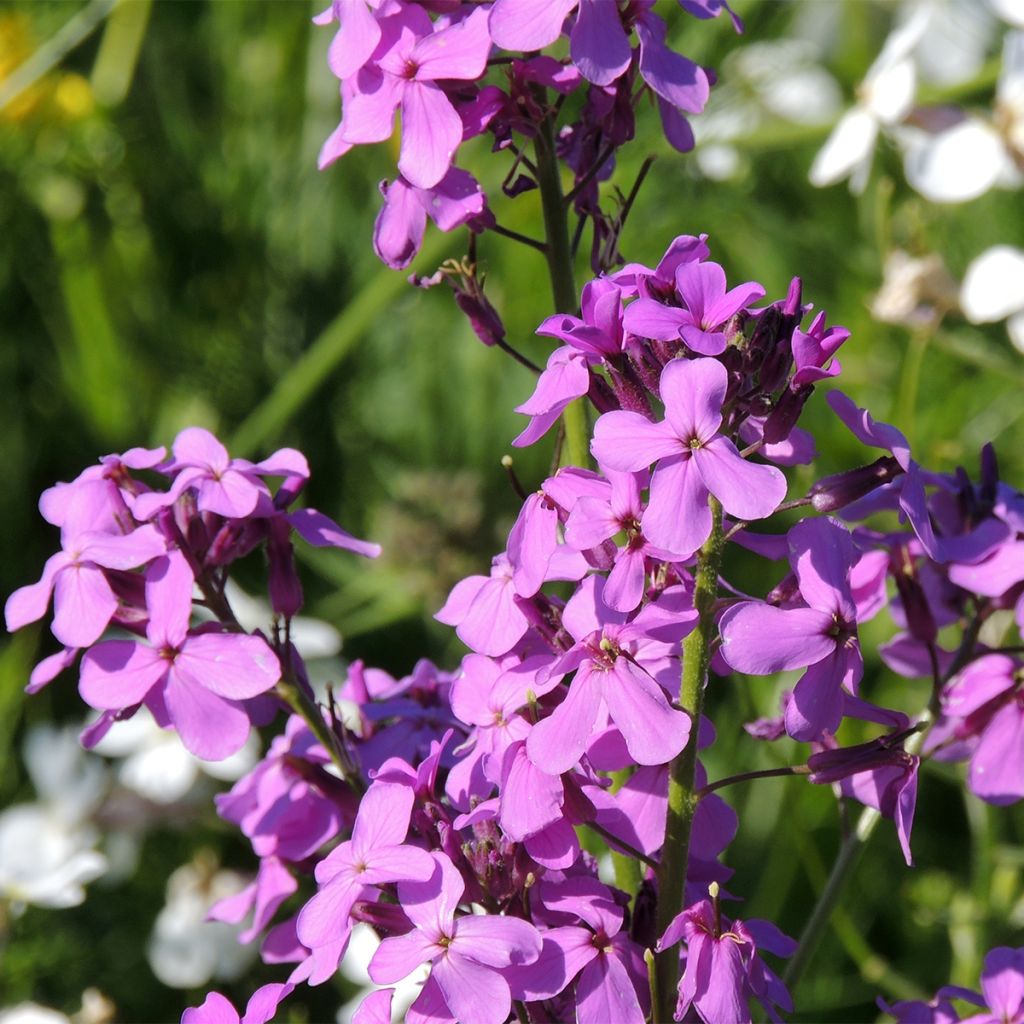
[47, 848]
[974, 154]
[775, 79]
[158, 767]
[1011, 11]
[993, 289]
[32, 1013]
[185, 950]
[362, 946]
[915, 291]
[956, 42]
[883, 99]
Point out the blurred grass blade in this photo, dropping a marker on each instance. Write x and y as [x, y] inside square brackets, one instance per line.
[323, 356]
[96, 365]
[119, 51]
[54, 50]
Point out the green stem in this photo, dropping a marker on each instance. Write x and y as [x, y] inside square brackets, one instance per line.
[683, 797]
[558, 253]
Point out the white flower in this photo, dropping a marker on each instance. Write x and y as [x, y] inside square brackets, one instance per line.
[158, 767]
[185, 950]
[915, 291]
[883, 99]
[993, 289]
[47, 850]
[975, 154]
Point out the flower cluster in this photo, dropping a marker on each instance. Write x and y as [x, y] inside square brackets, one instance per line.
[445, 810]
[476, 69]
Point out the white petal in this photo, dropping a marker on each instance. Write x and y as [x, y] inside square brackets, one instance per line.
[955, 165]
[890, 94]
[851, 143]
[1011, 11]
[953, 48]
[993, 286]
[1015, 328]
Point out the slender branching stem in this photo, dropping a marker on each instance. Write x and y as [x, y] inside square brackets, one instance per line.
[683, 795]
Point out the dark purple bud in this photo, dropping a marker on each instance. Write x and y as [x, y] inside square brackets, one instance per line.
[629, 391]
[918, 613]
[283, 578]
[785, 591]
[829, 766]
[835, 492]
[644, 927]
[782, 419]
[482, 316]
[792, 307]
[989, 476]
[388, 918]
[604, 398]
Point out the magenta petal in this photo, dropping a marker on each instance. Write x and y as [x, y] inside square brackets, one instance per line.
[558, 742]
[605, 993]
[264, 1001]
[195, 446]
[117, 551]
[555, 847]
[431, 132]
[398, 864]
[495, 623]
[528, 24]
[497, 941]
[1002, 981]
[229, 664]
[369, 113]
[325, 917]
[629, 442]
[29, 603]
[648, 318]
[531, 799]
[598, 44]
[472, 992]
[397, 957]
[624, 589]
[233, 496]
[169, 583]
[653, 730]
[209, 726]
[460, 600]
[677, 519]
[997, 774]
[564, 378]
[671, 75]
[119, 673]
[356, 39]
[707, 343]
[693, 391]
[590, 524]
[761, 639]
[459, 51]
[565, 952]
[867, 429]
[321, 531]
[383, 819]
[431, 905]
[216, 1009]
[83, 605]
[817, 702]
[747, 490]
[375, 1008]
[822, 555]
[398, 230]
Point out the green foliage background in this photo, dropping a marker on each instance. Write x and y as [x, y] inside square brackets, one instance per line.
[169, 255]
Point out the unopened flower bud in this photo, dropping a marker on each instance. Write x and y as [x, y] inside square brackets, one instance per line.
[835, 492]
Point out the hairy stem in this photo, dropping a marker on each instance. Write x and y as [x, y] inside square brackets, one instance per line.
[683, 796]
[558, 252]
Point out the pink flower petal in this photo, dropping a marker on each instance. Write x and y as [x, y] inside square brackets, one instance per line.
[629, 442]
[431, 132]
[677, 519]
[598, 44]
[747, 490]
[83, 605]
[760, 639]
[119, 673]
[229, 665]
[209, 726]
[693, 391]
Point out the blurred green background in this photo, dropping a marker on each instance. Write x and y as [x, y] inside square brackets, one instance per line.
[170, 255]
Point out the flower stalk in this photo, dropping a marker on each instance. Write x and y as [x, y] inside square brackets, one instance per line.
[683, 796]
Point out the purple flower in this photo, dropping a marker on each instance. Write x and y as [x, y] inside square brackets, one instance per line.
[195, 680]
[398, 233]
[694, 459]
[616, 664]
[412, 56]
[216, 1009]
[762, 639]
[83, 600]
[467, 953]
[376, 854]
[723, 971]
[701, 287]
